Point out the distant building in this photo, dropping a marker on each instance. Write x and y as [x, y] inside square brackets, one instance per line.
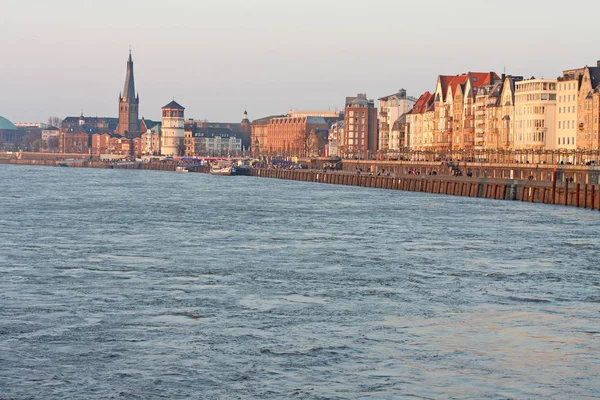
[215, 142]
[173, 134]
[50, 131]
[101, 143]
[336, 135]
[260, 133]
[150, 139]
[9, 134]
[242, 130]
[95, 124]
[40, 125]
[75, 142]
[360, 127]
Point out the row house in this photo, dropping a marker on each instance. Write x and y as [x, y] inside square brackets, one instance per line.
[567, 109]
[589, 112]
[577, 111]
[486, 114]
[106, 143]
[336, 134]
[454, 115]
[390, 109]
[360, 127]
[535, 114]
[400, 130]
[463, 136]
[150, 138]
[420, 123]
[101, 143]
[507, 112]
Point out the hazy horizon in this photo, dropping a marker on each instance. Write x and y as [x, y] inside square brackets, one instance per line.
[218, 59]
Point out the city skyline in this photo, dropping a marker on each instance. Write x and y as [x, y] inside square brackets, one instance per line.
[220, 59]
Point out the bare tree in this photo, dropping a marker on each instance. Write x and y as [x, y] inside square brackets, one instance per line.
[180, 147]
[54, 121]
[302, 145]
[53, 143]
[29, 138]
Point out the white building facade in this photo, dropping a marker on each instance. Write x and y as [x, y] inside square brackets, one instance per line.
[535, 114]
[390, 109]
[567, 107]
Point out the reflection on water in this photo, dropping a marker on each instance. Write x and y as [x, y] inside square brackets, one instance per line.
[141, 284]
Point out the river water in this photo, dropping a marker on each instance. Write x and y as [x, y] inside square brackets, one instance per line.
[140, 285]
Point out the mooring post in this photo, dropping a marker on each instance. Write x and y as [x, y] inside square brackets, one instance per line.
[553, 194]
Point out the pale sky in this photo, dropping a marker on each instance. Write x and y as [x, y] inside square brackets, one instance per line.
[217, 58]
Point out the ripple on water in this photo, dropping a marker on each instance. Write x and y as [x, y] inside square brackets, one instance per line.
[239, 287]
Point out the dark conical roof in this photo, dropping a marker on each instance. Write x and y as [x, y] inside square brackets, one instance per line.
[129, 90]
[174, 105]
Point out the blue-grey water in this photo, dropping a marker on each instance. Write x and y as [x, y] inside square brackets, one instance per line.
[142, 285]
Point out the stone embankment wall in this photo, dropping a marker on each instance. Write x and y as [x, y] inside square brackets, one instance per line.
[566, 193]
[520, 171]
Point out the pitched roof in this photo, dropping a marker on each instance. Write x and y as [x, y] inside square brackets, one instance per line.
[423, 103]
[174, 106]
[477, 80]
[149, 123]
[595, 77]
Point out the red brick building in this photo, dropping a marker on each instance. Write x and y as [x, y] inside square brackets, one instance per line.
[291, 136]
[77, 142]
[360, 128]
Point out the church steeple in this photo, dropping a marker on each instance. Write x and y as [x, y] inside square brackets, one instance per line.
[128, 104]
[129, 90]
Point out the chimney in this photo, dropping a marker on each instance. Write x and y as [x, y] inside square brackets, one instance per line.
[503, 77]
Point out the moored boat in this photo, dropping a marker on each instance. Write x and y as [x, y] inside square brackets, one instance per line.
[222, 170]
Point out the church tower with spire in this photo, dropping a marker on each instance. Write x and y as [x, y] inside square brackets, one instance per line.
[128, 104]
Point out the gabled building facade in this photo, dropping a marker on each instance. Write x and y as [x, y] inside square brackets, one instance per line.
[589, 112]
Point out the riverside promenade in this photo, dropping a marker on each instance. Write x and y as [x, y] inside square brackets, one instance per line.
[565, 193]
[564, 184]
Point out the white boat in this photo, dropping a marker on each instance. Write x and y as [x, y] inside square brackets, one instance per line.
[182, 169]
[222, 170]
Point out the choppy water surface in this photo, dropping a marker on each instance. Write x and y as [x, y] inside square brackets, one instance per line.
[141, 284]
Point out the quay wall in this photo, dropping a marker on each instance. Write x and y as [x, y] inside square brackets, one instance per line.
[586, 174]
[566, 193]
